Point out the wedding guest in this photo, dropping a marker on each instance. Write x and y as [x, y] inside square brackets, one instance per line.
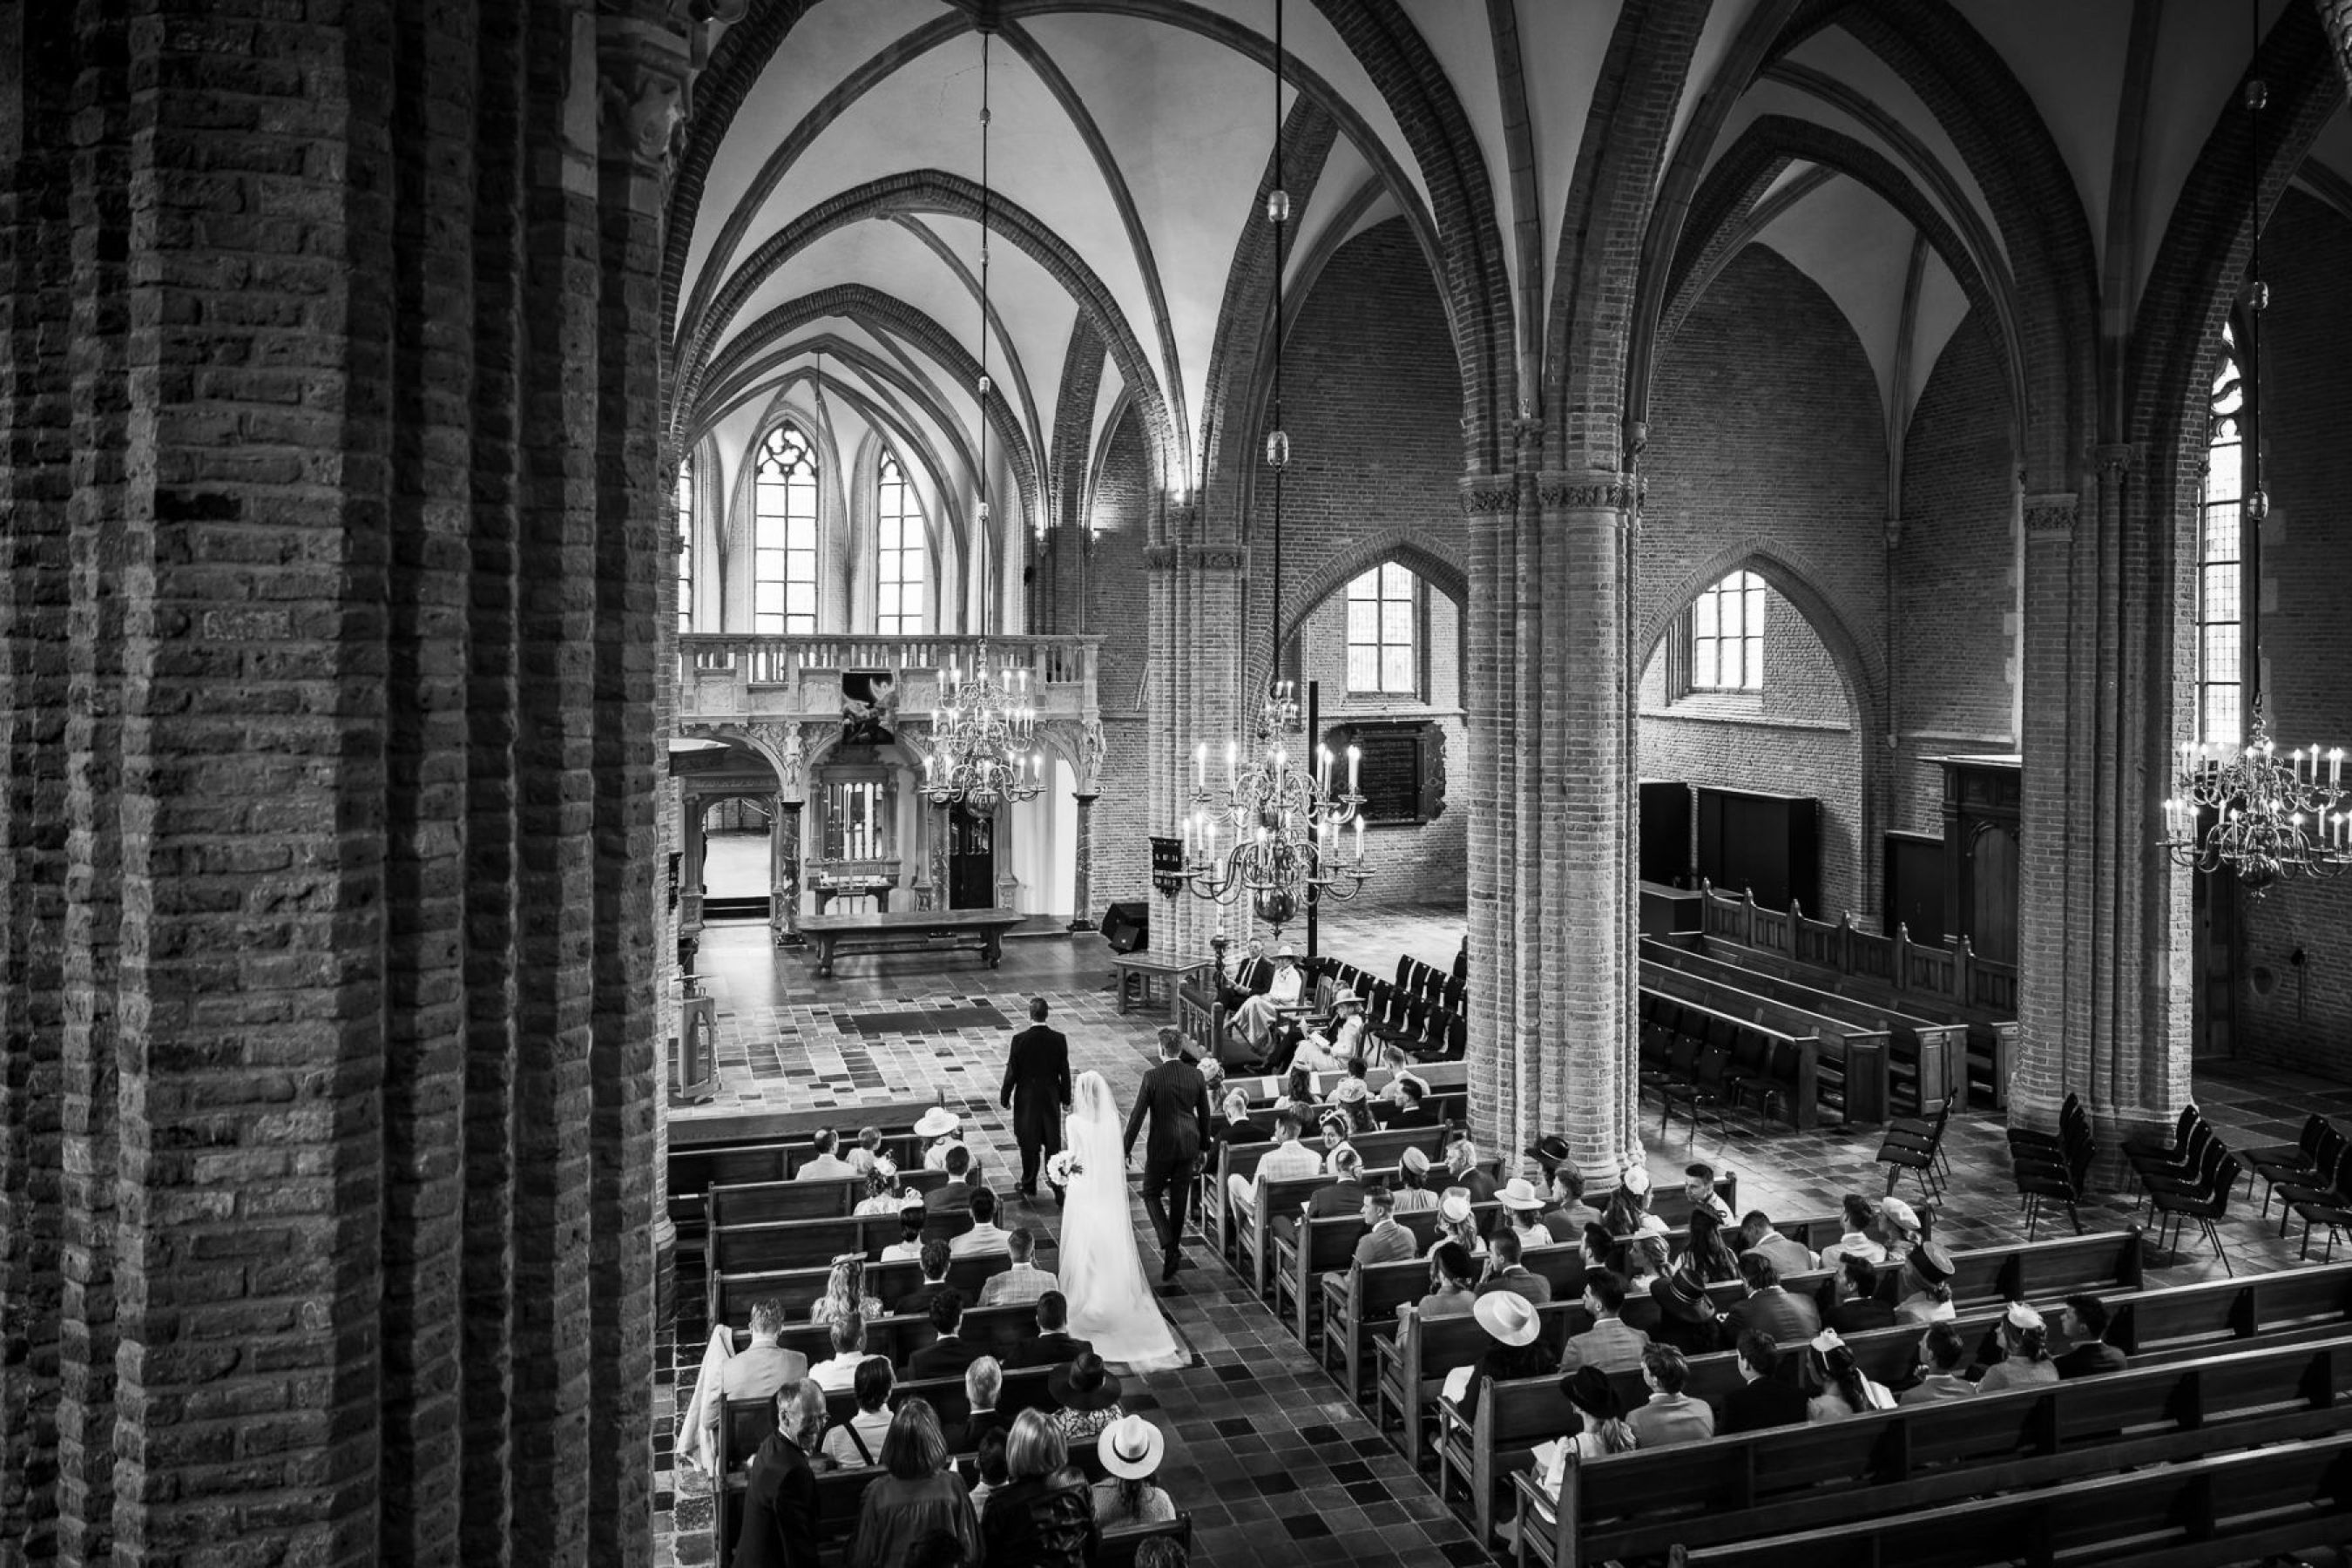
[985, 1235]
[1644, 1262]
[1787, 1255]
[1343, 1038]
[1344, 1195]
[868, 1148]
[1505, 1271]
[1765, 1398]
[1897, 1227]
[756, 1372]
[1567, 1213]
[2086, 1319]
[1833, 1382]
[1087, 1393]
[1161, 1552]
[938, 1127]
[991, 1465]
[1024, 1280]
[1237, 1126]
[1411, 1192]
[1053, 1345]
[1406, 1103]
[1769, 1309]
[1686, 1316]
[983, 1384]
[933, 1260]
[1602, 1427]
[1384, 1240]
[779, 1507]
[1856, 1242]
[1042, 1516]
[1287, 1159]
[950, 1354]
[910, 1243]
[1514, 1349]
[882, 1194]
[858, 1440]
[1453, 1292]
[845, 1292]
[1706, 1254]
[848, 1335]
[1698, 1186]
[1337, 1129]
[1928, 1274]
[1610, 1343]
[1943, 1367]
[946, 1206]
[1257, 1016]
[1458, 1222]
[1599, 1248]
[1310, 1053]
[825, 1166]
[1353, 1096]
[1463, 1170]
[1522, 1209]
[919, 1496]
[1299, 1094]
[1628, 1210]
[1131, 1449]
[1670, 1416]
[2025, 1361]
[1854, 1307]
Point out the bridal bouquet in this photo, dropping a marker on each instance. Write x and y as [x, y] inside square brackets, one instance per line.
[1061, 1166]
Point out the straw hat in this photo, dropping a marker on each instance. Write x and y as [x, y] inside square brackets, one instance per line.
[1286, 950]
[1507, 1315]
[1131, 1447]
[938, 1122]
[1347, 1090]
[1453, 1206]
[1349, 998]
[1519, 1193]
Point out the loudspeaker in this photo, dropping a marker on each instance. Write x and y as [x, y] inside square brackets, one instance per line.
[1128, 927]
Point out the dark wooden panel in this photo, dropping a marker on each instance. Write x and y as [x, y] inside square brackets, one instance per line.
[1764, 844]
[1665, 845]
[1915, 885]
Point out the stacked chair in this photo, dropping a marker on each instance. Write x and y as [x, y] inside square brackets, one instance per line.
[2311, 1158]
[1916, 1143]
[2049, 1169]
[2190, 1179]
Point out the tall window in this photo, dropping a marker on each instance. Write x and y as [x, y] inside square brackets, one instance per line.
[2220, 606]
[1727, 636]
[899, 535]
[686, 546]
[1381, 606]
[783, 536]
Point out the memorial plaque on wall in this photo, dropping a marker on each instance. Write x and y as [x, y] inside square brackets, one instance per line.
[1401, 772]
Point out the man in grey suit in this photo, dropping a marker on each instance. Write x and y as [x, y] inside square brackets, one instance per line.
[1769, 1309]
[1176, 1098]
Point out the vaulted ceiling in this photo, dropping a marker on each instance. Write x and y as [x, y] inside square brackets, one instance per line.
[831, 240]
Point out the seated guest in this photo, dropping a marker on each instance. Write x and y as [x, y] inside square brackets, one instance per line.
[910, 1243]
[1405, 1103]
[1602, 1427]
[1299, 1094]
[1463, 1170]
[1522, 1209]
[939, 1126]
[948, 1355]
[945, 1205]
[1411, 1192]
[1707, 1253]
[1353, 1096]
[1053, 1345]
[1336, 1127]
[845, 1292]
[1309, 1053]
[1514, 1348]
[985, 1235]
[1787, 1255]
[1628, 1210]
[919, 1499]
[1686, 1316]
[1670, 1416]
[1457, 1223]
[1896, 1228]
[1856, 1242]
[1343, 1195]
[1451, 1292]
[1643, 1260]
[1597, 1249]
[1024, 1282]
[2085, 1318]
[1567, 1213]
[1765, 1398]
[882, 1194]
[848, 1336]
[1833, 1382]
[1044, 1514]
[1943, 1367]
[825, 1166]
[1698, 1186]
[934, 1262]
[1608, 1343]
[990, 1463]
[858, 1440]
[1925, 1291]
[983, 1383]
[1384, 1240]
[1256, 1015]
[1289, 1158]
[1326, 1049]
[2025, 1360]
[756, 1372]
[779, 1507]
[1087, 1393]
[1505, 1271]
[1131, 1449]
[867, 1149]
[1854, 1306]
[1769, 1309]
[1237, 1127]
[936, 1548]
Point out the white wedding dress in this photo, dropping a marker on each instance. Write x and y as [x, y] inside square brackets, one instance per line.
[1111, 1303]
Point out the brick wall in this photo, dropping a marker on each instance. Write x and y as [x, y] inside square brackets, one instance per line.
[2302, 1016]
[1118, 610]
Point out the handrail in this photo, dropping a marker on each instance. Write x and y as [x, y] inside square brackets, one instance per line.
[1954, 973]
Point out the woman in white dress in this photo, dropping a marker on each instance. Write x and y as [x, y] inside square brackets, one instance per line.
[1111, 1303]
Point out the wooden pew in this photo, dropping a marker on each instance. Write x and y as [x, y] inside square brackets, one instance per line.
[727, 1297]
[1803, 1086]
[1405, 1383]
[999, 1331]
[1856, 1056]
[765, 1203]
[1758, 1484]
[1218, 1226]
[1325, 1249]
[1381, 1152]
[803, 1243]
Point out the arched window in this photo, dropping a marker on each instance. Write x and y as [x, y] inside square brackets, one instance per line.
[2221, 607]
[1382, 610]
[898, 548]
[783, 536]
[686, 546]
[1727, 636]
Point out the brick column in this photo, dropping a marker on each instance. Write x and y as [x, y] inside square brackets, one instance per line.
[1194, 696]
[1082, 875]
[784, 873]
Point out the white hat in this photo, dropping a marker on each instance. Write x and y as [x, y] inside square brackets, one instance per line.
[1348, 1090]
[1131, 1448]
[1897, 1212]
[1453, 1206]
[1286, 950]
[938, 1122]
[2023, 1317]
[1519, 1193]
[1347, 999]
[1637, 1181]
[1507, 1315]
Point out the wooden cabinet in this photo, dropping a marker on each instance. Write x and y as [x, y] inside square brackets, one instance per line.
[1983, 810]
[1769, 844]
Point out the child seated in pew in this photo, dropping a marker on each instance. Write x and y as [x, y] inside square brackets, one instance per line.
[990, 1465]
[867, 1149]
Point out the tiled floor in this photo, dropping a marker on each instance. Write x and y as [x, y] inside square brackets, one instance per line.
[1275, 1465]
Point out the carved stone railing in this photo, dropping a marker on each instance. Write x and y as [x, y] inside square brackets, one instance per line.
[1954, 974]
[731, 675]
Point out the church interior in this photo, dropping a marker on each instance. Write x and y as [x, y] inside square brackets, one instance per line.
[604, 596]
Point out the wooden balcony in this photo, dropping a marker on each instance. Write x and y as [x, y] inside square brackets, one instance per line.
[733, 677]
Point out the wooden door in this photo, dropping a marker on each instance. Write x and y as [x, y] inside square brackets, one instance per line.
[971, 859]
[1992, 893]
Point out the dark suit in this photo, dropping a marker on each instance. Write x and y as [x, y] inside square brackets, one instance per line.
[1402, 1116]
[916, 1302]
[1176, 1098]
[1861, 1315]
[947, 1210]
[1056, 1349]
[1766, 1401]
[779, 1528]
[2093, 1359]
[946, 1356]
[965, 1439]
[1242, 1131]
[1036, 1087]
[1783, 1319]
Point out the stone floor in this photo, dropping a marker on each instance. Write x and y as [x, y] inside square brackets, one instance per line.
[1275, 1464]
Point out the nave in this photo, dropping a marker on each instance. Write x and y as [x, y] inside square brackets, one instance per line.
[1270, 1458]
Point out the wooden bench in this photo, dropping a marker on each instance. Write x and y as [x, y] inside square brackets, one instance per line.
[909, 931]
[800, 1243]
[766, 1203]
[1794, 1060]
[1325, 1249]
[727, 1297]
[1000, 1331]
[1743, 1486]
[1381, 1152]
[1851, 1067]
[742, 1156]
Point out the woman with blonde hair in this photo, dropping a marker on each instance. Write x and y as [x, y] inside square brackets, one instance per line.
[919, 1495]
[1044, 1514]
[845, 1292]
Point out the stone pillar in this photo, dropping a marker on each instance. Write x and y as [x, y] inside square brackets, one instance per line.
[1082, 875]
[785, 873]
[1194, 695]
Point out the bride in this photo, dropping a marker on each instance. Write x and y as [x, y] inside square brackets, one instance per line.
[1111, 1303]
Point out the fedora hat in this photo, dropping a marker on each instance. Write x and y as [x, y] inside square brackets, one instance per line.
[1934, 1263]
[1131, 1448]
[1507, 1315]
[1083, 1383]
[1453, 1206]
[1679, 1295]
[1551, 1148]
[1519, 1193]
[1348, 998]
[1286, 950]
[1588, 1389]
[938, 1122]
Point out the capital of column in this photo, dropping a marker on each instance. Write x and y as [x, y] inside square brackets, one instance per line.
[2051, 516]
[2116, 458]
[1485, 495]
[1196, 557]
[1586, 490]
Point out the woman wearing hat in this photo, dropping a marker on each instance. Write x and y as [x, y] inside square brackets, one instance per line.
[1601, 1428]
[1686, 1316]
[2025, 1361]
[1087, 1393]
[1522, 1205]
[1353, 1096]
[1457, 1222]
[938, 1125]
[1628, 1212]
[1130, 1448]
[1927, 1273]
[1516, 1350]
[1413, 1174]
[1833, 1382]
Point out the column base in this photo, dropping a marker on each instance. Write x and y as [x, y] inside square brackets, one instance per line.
[790, 939]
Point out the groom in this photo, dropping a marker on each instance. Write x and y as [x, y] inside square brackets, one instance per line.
[1037, 1090]
[1176, 1097]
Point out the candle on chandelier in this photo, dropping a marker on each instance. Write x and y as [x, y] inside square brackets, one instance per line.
[1036, 767]
[1359, 841]
[2334, 767]
[1200, 765]
[1323, 768]
[1355, 757]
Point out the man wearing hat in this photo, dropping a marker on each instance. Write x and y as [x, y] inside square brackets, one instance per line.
[1087, 1393]
[1257, 1016]
[1686, 1316]
[1505, 1271]
[1412, 1190]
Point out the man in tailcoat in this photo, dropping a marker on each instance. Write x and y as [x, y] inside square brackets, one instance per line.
[1037, 1090]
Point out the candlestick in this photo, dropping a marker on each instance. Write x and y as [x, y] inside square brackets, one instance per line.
[1359, 841]
[1355, 757]
[1201, 766]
